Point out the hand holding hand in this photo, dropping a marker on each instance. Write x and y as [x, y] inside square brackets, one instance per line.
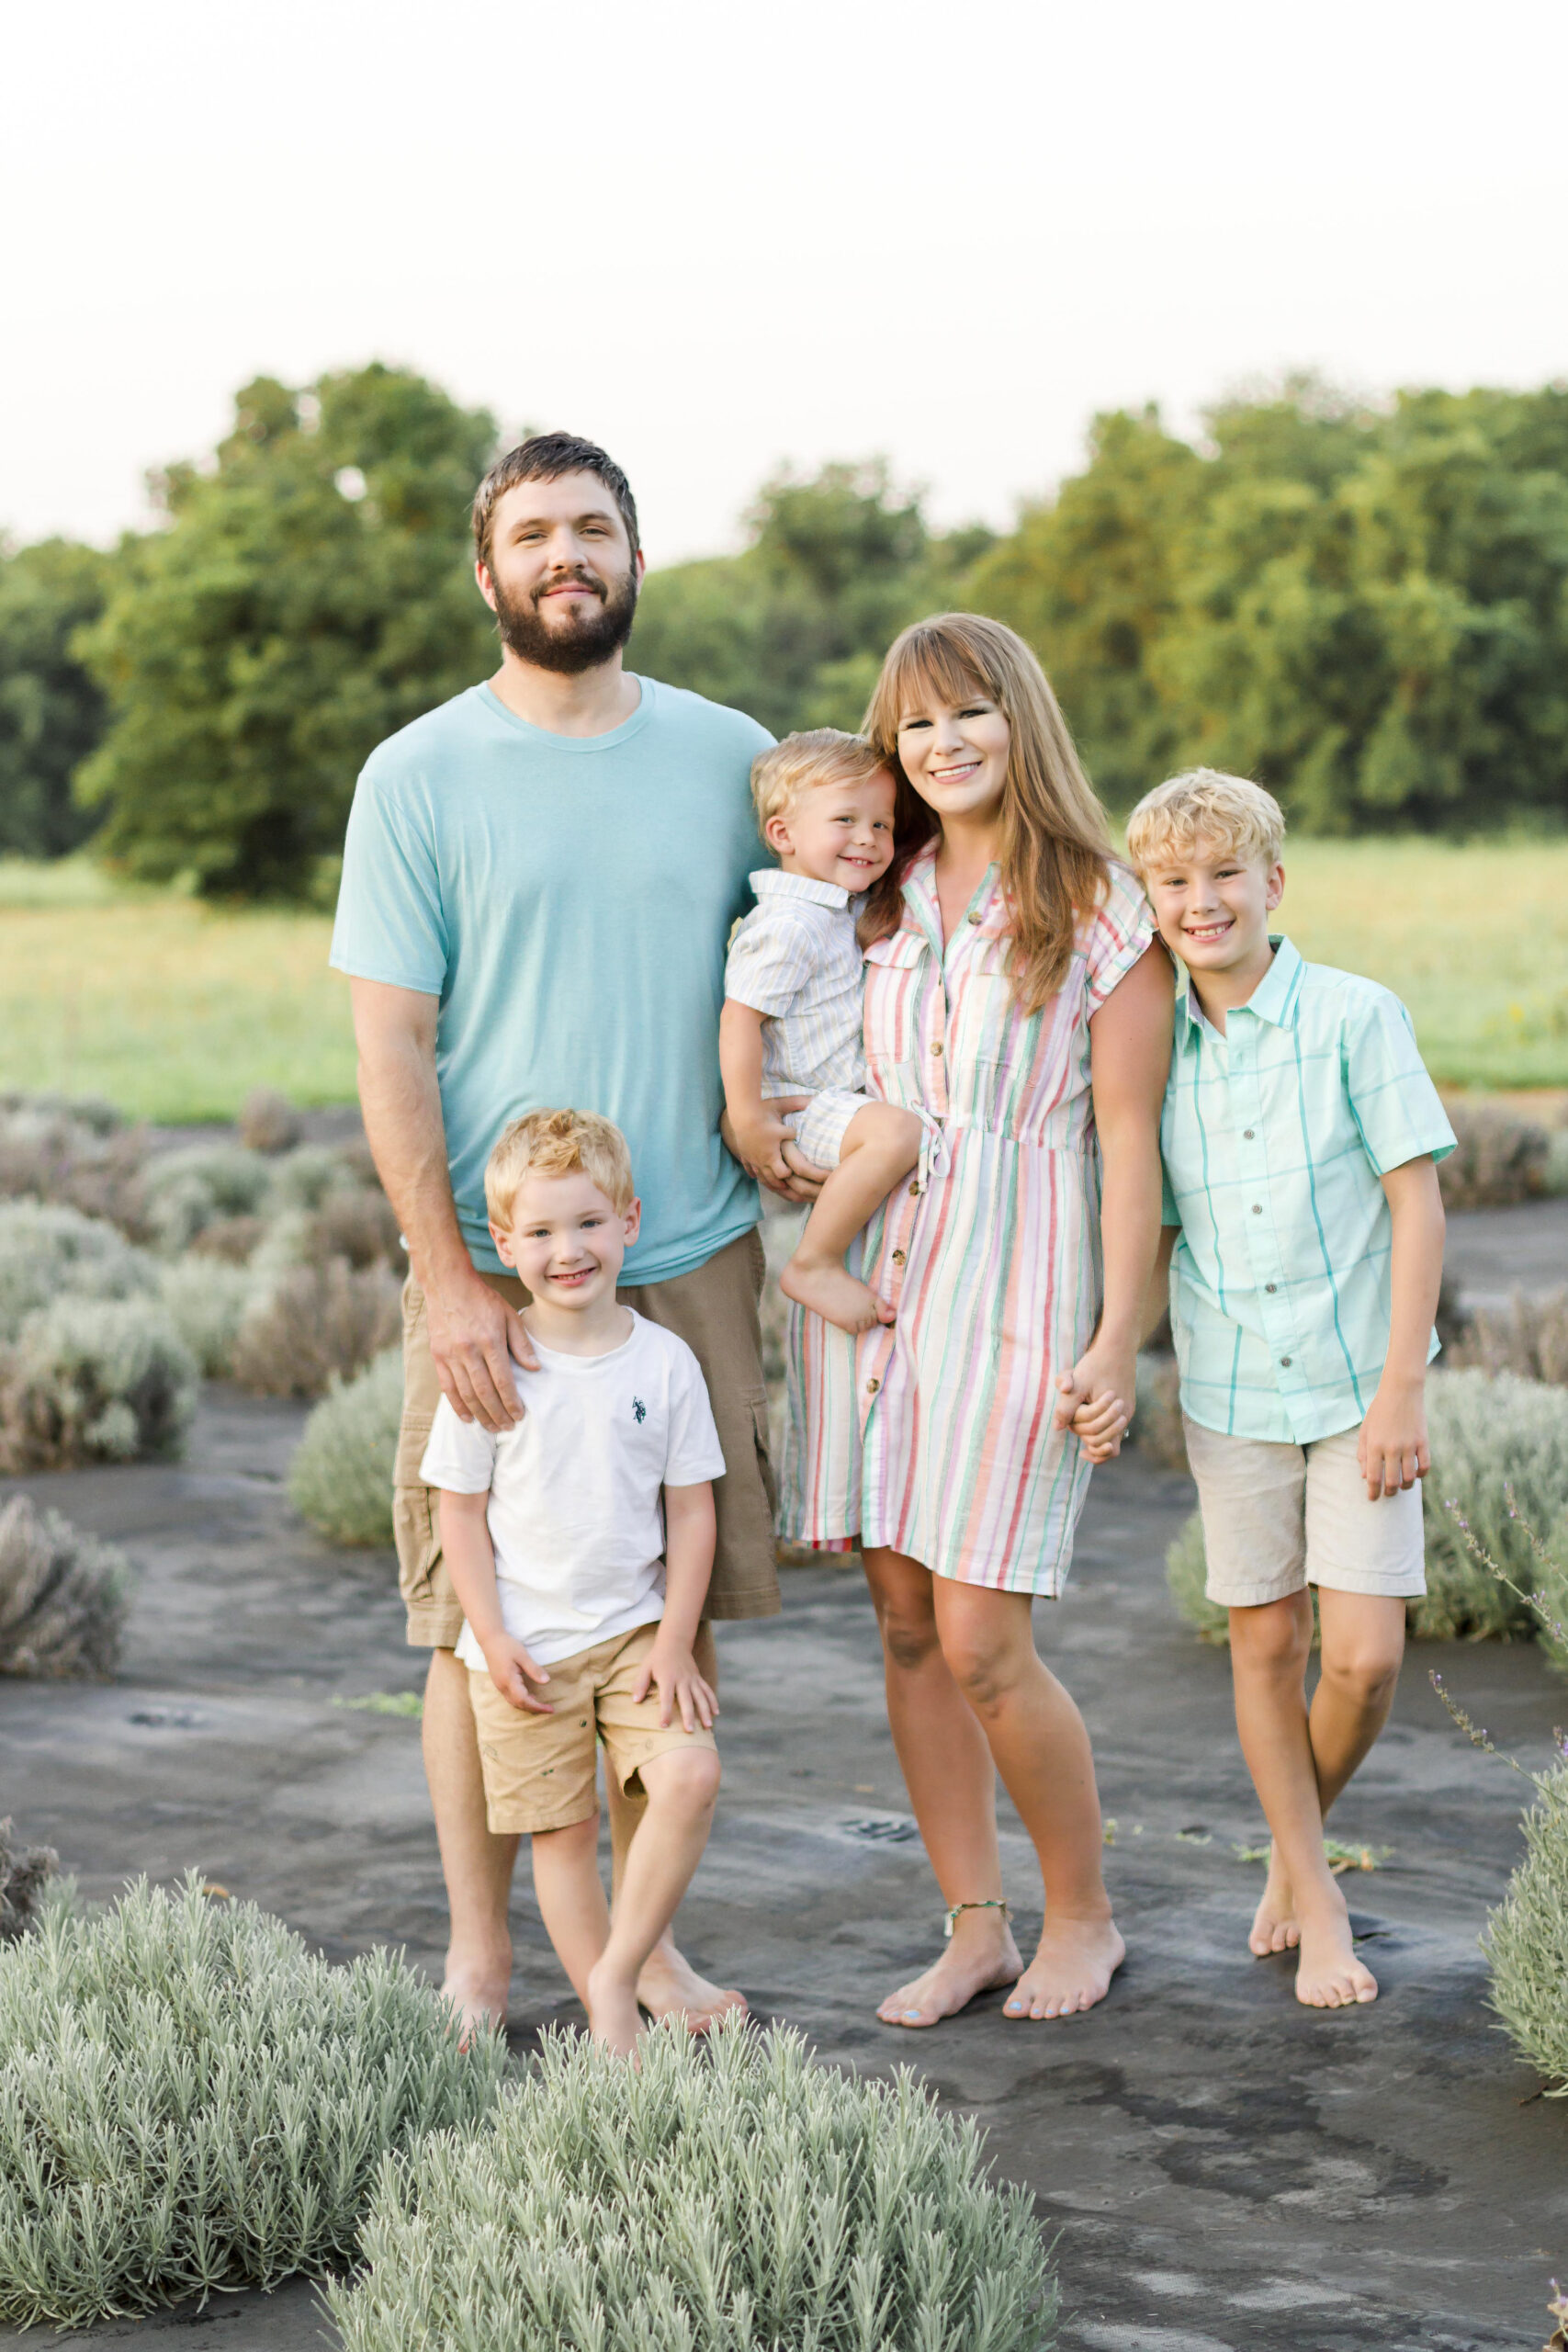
[674, 1669]
[1392, 1448]
[512, 1669]
[1095, 1399]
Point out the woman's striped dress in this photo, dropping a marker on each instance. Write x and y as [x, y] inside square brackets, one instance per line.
[934, 1435]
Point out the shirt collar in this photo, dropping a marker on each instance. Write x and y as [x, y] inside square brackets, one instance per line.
[769, 882]
[1274, 998]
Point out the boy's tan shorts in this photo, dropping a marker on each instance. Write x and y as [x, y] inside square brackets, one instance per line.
[1277, 1517]
[541, 1772]
[714, 1309]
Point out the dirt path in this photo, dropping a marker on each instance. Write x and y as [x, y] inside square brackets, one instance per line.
[1228, 2172]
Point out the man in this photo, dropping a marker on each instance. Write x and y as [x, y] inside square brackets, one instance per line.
[539, 879]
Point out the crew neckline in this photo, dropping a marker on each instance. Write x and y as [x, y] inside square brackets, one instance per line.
[608, 741]
[559, 1357]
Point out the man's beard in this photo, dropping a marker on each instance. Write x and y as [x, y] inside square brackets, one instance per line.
[580, 643]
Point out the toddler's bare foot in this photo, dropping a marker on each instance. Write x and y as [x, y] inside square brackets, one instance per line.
[1071, 1970]
[1275, 1927]
[613, 2016]
[832, 1292]
[1330, 1977]
[479, 1995]
[670, 1987]
[976, 1962]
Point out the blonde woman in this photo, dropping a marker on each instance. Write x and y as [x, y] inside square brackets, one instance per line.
[1018, 1005]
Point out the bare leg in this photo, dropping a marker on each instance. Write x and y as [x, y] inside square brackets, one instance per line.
[572, 1897]
[1363, 1645]
[476, 1866]
[1270, 1645]
[1037, 1738]
[681, 1785]
[881, 1143]
[952, 1781]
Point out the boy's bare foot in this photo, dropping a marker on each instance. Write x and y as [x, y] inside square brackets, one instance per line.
[1330, 1977]
[1275, 1927]
[832, 1292]
[479, 1997]
[976, 1962]
[670, 1987]
[1071, 1970]
[613, 2018]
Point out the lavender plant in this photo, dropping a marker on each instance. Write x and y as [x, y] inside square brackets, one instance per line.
[341, 1476]
[64, 1597]
[191, 2100]
[736, 2198]
[24, 1871]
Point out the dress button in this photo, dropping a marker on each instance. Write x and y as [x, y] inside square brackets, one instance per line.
[1256, 1208]
[898, 1257]
[975, 919]
[936, 1051]
[872, 1386]
[915, 1190]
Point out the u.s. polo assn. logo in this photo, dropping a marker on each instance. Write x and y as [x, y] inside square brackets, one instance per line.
[640, 1410]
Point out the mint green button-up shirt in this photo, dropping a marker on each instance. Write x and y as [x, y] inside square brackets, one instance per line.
[1275, 1138]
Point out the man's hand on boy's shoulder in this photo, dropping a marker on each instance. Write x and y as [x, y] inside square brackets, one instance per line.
[475, 1338]
[671, 1665]
[513, 1670]
[1392, 1448]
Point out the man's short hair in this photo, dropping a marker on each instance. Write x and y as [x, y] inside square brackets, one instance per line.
[819, 755]
[546, 456]
[558, 1143]
[1204, 804]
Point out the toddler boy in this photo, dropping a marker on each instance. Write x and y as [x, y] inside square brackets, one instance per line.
[1299, 1133]
[582, 1608]
[791, 1029]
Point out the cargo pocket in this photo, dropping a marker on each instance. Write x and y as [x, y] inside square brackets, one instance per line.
[416, 1531]
[757, 1402]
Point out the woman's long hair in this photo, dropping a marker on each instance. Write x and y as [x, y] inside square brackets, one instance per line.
[1055, 844]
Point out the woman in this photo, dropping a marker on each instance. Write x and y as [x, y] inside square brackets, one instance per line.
[1019, 1006]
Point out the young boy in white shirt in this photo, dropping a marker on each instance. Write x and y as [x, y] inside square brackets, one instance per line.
[582, 1606]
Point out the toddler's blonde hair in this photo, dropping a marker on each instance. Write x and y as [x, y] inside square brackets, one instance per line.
[558, 1143]
[819, 755]
[1204, 804]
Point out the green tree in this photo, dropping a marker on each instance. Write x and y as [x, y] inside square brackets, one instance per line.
[51, 711]
[795, 627]
[310, 594]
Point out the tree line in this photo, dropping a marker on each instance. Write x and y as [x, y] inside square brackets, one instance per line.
[1365, 607]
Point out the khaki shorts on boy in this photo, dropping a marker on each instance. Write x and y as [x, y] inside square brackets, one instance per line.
[1277, 1517]
[541, 1772]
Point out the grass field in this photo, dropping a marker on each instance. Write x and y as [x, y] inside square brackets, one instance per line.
[174, 1010]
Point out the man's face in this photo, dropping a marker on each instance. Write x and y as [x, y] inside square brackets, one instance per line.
[561, 579]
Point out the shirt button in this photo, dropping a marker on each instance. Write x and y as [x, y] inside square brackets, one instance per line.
[898, 1257]
[1285, 1362]
[936, 1051]
[872, 1386]
[1256, 1208]
[1246, 1133]
[1270, 1286]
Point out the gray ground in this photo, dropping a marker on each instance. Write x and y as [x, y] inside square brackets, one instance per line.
[1225, 2169]
[1493, 1252]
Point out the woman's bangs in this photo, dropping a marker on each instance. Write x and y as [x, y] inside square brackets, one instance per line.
[928, 668]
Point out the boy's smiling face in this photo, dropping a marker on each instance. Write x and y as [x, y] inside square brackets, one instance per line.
[567, 1240]
[837, 832]
[1213, 906]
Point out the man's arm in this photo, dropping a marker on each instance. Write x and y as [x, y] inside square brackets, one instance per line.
[474, 1334]
[1392, 1445]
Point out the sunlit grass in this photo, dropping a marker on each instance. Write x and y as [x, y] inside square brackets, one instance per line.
[174, 1010]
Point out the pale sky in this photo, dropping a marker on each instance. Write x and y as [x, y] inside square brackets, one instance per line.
[717, 237]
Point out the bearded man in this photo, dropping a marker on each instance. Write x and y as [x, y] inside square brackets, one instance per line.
[539, 880]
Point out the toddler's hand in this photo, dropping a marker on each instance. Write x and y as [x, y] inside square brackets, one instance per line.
[680, 1685]
[512, 1669]
[1392, 1448]
[1095, 1401]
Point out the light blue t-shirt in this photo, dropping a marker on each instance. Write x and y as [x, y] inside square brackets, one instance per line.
[569, 898]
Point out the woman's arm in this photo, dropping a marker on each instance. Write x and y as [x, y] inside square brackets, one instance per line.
[1129, 1064]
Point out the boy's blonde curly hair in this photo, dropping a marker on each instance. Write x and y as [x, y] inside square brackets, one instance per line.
[558, 1143]
[1204, 804]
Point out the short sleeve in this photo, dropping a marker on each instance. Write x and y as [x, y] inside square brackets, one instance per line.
[1117, 937]
[389, 925]
[693, 1452]
[1393, 1100]
[460, 1455]
[771, 959]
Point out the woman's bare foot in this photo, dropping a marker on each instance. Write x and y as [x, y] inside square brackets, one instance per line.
[479, 1996]
[831, 1291]
[1275, 1927]
[670, 1987]
[977, 1960]
[613, 2018]
[1330, 1977]
[1071, 1970]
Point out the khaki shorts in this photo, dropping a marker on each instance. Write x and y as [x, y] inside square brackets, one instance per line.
[542, 1772]
[1277, 1517]
[714, 1309]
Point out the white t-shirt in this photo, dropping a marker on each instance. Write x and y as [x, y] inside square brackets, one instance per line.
[574, 1510]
